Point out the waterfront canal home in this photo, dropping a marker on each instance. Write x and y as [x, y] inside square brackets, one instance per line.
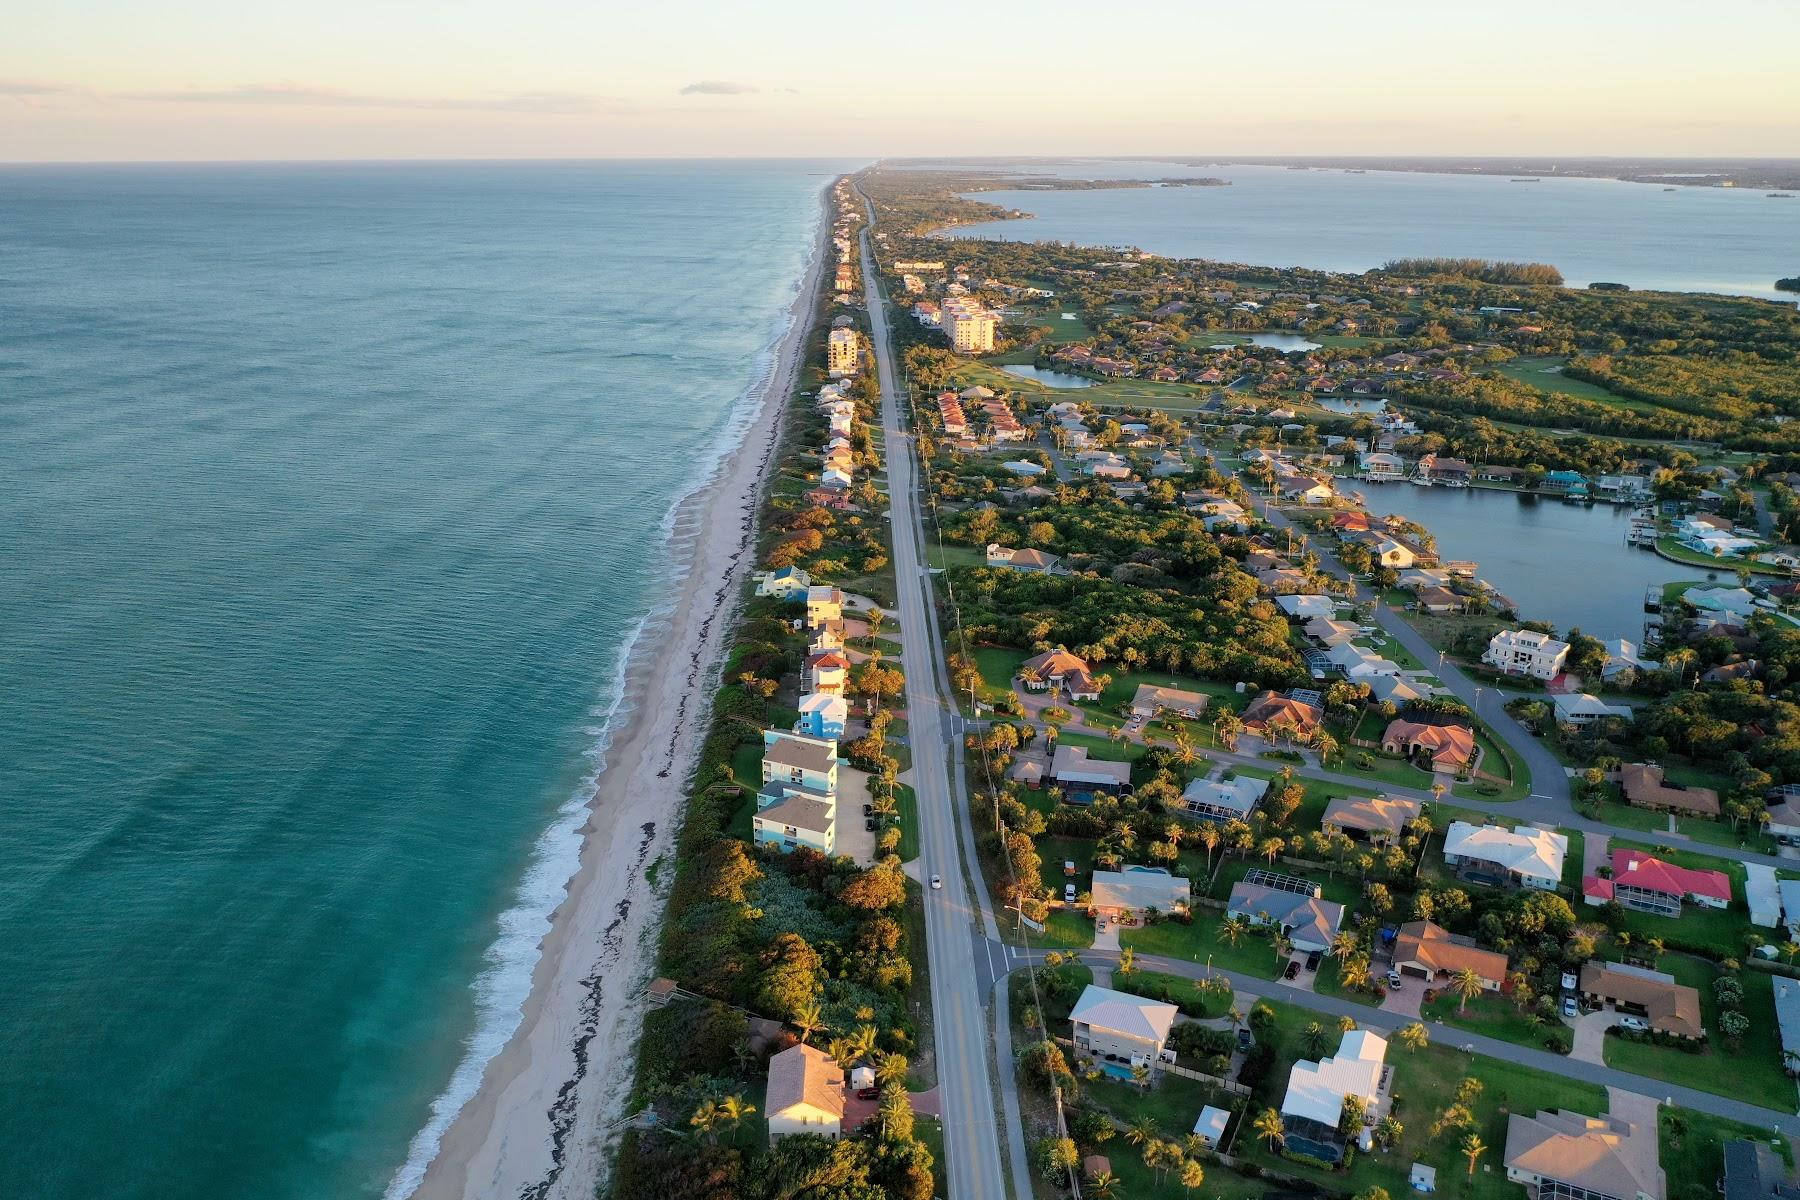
[1313, 1107]
[796, 758]
[823, 603]
[823, 716]
[1390, 553]
[791, 815]
[1447, 746]
[1073, 770]
[1450, 472]
[1350, 522]
[1495, 473]
[1223, 799]
[1152, 699]
[1379, 466]
[1290, 903]
[1714, 537]
[1648, 884]
[841, 353]
[1567, 483]
[1580, 708]
[1669, 1007]
[1305, 489]
[1379, 820]
[1440, 601]
[788, 583]
[1564, 1155]
[1502, 857]
[1645, 786]
[1301, 607]
[1295, 715]
[1623, 663]
[1059, 671]
[1126, 896]
[1035, 561]
[1428, 951]
[1526, 652]
[806, 1094]
[1122, 1030]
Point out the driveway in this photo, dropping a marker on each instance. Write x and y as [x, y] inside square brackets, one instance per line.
[1404, 1001]
[852, 838]
[1594, 848]
[1590, 1036]
[1639, 1109]
[1107, 937]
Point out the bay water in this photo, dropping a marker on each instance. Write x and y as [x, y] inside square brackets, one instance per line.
[330, 499]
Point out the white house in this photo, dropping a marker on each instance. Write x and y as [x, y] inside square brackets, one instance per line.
[1316, 1091]
[1121, 1027]
[1526, 652]
[1526, 857]
[1306, 607]
[784, 584]
[806, 1094]
[1579, 708]
[1126, 895]
[1378, 465]
[1224, 799]
[1359, 662]
[1389, 553]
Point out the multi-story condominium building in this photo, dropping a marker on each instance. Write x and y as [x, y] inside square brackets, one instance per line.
[969, 326]
[841, 352]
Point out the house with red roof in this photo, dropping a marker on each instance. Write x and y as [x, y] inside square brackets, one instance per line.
[1648, 884]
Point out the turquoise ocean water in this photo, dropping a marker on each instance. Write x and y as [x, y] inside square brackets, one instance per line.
[330, 497]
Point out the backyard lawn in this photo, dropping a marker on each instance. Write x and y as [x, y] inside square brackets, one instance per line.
[1199, 942]
[1215, 1003]
[1693, 1150]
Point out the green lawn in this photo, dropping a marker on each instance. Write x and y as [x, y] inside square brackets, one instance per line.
[1545, 374]
[746, 768]
[1199, 942]
[923, 1072]
[1064, 929]
[1753, 1072]
[950, 554]
[998, 665]
[1488, 1014]
[907, 809]
[1181, 989]
[1693, 1150]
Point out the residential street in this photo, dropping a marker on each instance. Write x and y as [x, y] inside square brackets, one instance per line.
[957, 916]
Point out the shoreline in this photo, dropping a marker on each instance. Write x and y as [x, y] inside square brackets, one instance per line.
[539, 1124]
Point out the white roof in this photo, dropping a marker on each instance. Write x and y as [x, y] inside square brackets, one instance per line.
[1240, 794]
[1317, 1090]
[1581, 704]
[1763, 894]
[1211, 1124]
[824, 703]
[1306, 606]
[1121, 1012]
[1530, 639]
[1534, 852]
[1140, 887]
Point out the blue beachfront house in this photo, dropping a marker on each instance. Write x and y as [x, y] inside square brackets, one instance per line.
[823, 715]
[790, 815]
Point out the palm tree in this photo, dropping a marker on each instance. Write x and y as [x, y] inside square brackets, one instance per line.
[1208, 834]
[1473, 1148]
[1127, 961]
[1283, 944]
[1467, 985]
[1184, 748]
[808, 1020]
[1437, 793]
[1271, 848]
[706, 1120]
[1140, 1074]
[1344, 944]
[1313, 1038]
[1232, 930]
[1192, 1176]
[1228, 728]
[1414, 1037]
[1104, 1186]
[734, 1109]
[1327, 746]
[1268, 1126]
[1141, 1131]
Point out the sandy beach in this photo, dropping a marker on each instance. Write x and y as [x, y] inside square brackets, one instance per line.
[539, 1124]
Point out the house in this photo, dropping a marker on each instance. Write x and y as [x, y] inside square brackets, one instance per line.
[1526, 652]
[1058, 670]
[1119, 1027]
[1359, 662]
[1755, 1172]
[1210, 1127]
[1429, 951]
[1580, 708]
[1273, 714]
[1494, 854]
[1571, 483]
[827, 671]
[1303, 607]
[1071, 767]
[1787, 1022]
[788, 583]
[1451, 746]
[1224, 799]
[1316, 1091]
[1395, 690]
[1377, 819]
[1152, 699]
[806, 1094]
[1021, 560]
[1288, 903]
[1378, 465]
[1439, 601]
[1029, 470]
[1278, 580]
[1644, 786]
[1125, 896]
[1330, 633]
[1564, 1155]
[1623, 662]
[823, 603]
[1782, 803]
[822, 716]
[796, 758]
[1670, 1007]
[1389, 553]
[841, 352]
[791, 815]
[1648, 884]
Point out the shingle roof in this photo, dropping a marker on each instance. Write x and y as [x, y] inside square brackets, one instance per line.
[1600, 1154]
[1671, 1007]
[805, 1075]
[1430, 945]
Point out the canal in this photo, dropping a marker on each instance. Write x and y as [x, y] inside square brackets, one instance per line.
[1568, 564]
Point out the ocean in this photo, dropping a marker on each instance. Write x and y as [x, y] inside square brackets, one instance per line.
[330, 499]
[1689, 239]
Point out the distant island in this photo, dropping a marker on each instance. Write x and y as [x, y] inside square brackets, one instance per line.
[1790, 284]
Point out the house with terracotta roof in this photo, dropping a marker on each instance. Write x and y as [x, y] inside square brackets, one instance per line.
[1274, 714]
[1431, 952]
[1450, 746]
[1564, 1155]
[1376, 819]
[1058, 670]
[1648, 884]
[1644, 786]
[827, 671]
[805, 1095]
[1670, 1007]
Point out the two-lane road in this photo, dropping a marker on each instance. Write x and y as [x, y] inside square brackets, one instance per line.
[956, 916]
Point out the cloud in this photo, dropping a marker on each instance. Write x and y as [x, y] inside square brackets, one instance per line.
[718, 87]
[21, 88]
[304, 95]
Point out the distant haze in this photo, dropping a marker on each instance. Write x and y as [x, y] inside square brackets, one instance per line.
[119, 80]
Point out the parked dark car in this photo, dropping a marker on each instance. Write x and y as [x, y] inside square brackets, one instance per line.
[1293, 969]
[869, 824]
[1312, 960]
[1246, 1039]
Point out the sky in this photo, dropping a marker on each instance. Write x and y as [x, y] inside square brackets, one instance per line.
[115, 80]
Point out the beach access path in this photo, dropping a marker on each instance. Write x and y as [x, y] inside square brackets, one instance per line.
[540, 1124]
[957, 916]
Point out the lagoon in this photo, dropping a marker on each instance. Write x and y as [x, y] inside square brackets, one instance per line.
[1287, 343]
[1568, 564]
[1691, 239]
[1061, 380]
